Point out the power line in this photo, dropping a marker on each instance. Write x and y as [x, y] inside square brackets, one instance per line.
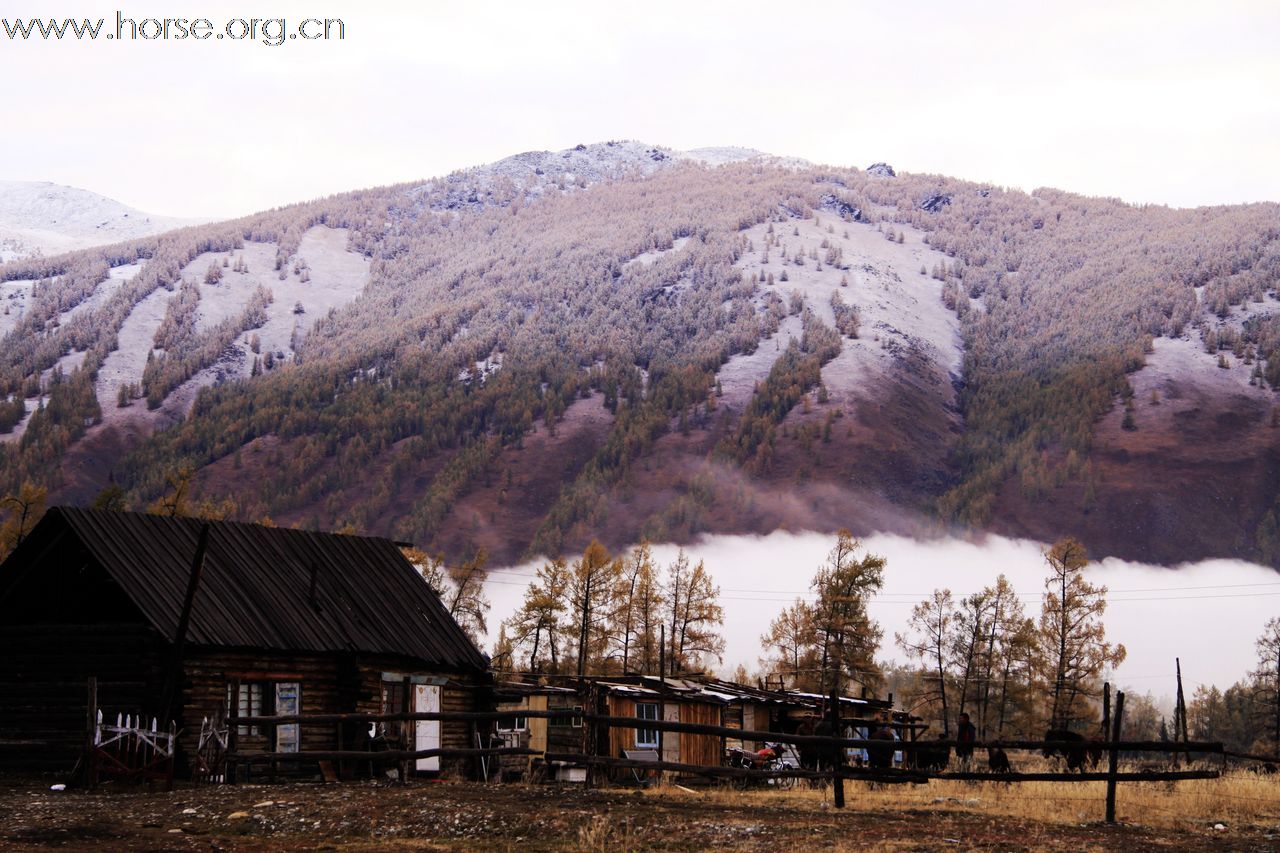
[911, 599]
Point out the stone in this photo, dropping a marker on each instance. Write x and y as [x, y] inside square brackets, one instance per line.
[935, 202]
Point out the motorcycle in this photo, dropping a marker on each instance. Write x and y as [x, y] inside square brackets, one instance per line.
[774, 756]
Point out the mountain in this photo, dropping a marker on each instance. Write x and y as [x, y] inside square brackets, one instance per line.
[40, 218]
[621, 340]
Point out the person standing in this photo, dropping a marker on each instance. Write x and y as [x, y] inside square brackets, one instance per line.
[966, 737]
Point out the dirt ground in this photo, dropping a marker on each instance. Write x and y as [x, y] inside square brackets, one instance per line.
[465, 816]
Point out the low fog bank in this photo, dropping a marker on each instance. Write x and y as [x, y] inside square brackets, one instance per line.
[1208, 613]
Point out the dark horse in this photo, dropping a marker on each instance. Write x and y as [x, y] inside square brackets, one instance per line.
[923, 756]
[880, 753]
[1078, 752]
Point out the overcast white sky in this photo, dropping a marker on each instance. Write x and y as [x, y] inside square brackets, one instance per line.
[1165, 102]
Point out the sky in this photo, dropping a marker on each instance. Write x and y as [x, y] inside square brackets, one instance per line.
[1162, 102]
[1208, 614]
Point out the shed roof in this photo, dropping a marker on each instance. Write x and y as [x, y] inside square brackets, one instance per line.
[255, 589]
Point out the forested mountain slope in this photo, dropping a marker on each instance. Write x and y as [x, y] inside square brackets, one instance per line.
[621, 340]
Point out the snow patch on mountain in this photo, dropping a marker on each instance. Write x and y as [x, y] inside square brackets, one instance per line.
[40, 218]
[538, 173]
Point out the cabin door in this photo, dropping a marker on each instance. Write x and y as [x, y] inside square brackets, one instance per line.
[426, 733]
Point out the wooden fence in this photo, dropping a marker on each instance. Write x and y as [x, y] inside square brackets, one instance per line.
[597, 724]
[131, 748]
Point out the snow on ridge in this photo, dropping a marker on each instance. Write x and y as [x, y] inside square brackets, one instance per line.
[41, 218]
[539, 172]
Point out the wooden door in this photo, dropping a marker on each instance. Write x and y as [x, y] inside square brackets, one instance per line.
[426, 698]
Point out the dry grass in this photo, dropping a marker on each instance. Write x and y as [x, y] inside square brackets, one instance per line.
[1235, 800]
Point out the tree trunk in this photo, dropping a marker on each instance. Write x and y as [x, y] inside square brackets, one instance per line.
[1060, 682]
[584, 629]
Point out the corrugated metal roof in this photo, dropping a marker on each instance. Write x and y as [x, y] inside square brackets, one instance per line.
[255, 589]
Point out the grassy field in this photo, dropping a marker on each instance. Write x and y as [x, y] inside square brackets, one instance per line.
[1236, 800]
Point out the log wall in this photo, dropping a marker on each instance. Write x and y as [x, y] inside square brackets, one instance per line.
[44, 672]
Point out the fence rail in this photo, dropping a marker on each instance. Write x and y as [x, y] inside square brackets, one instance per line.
[830, 746]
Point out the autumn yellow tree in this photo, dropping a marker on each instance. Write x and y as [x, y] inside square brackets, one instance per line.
[693, 616]
[592, 597]
[928, 634]
[638, 613]
[535, 632]
[1073, 647]
[790, 647]
[848, 637]
[25, 508]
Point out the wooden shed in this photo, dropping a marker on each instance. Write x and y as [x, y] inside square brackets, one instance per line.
[185, 619]
[562, 734]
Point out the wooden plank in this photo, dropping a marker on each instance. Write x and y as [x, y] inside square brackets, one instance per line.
[866, 774]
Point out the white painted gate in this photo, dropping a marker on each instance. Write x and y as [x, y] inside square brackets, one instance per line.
[426, 733]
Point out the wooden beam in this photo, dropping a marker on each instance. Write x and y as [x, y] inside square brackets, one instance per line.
[397, 755]
[866, 774]
[608, 721]
[173, 675]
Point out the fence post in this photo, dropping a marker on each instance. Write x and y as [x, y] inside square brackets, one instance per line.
[590, 731]
[1180, 724]
[1106, 710]
[1114, 757]
[229, 768]
[91, 733]
[835, 754]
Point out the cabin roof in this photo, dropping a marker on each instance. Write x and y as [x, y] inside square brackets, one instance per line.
[256, 586]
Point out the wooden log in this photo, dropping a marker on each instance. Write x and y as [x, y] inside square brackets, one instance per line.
[1113, 760]
[836, 755]
[233, 735]
[91, 733]
[1251, 756]
[407, 716]
[397, 755]
[605, 720]
[858, 773]
[1135, 776]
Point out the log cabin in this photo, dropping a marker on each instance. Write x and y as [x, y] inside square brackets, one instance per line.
[188, 620]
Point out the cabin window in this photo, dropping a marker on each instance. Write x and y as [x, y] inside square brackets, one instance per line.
[288, 696]
[249, 703]
[647, 738]
[516, 724]
[393, 702]
[572, 718]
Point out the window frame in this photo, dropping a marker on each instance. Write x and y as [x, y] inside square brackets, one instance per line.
[249, 702]
[647, 738]
[568, 717]
[518, 724]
